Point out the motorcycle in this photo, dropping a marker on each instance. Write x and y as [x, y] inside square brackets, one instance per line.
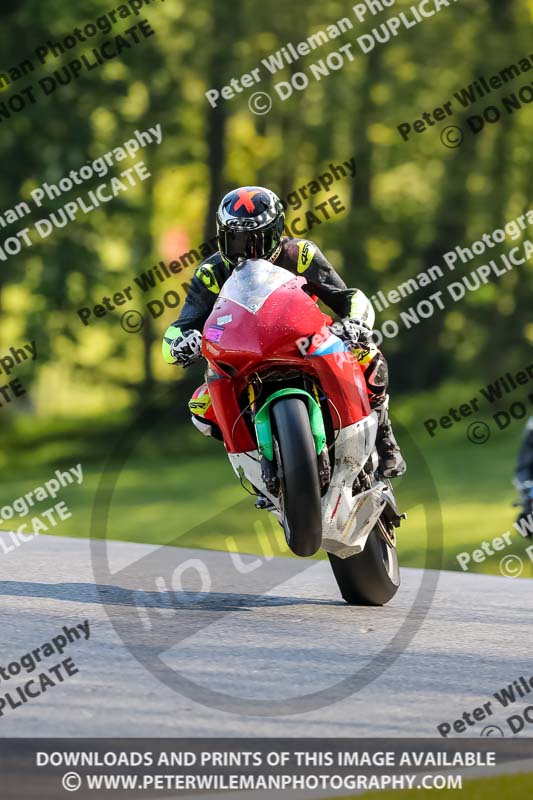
[524, 521]
[292, 407]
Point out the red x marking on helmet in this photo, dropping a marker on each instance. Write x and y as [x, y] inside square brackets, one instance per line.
[246, 200]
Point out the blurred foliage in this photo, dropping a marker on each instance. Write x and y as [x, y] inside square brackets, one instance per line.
[410, 202]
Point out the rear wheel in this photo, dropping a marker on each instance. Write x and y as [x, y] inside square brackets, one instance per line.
[296, 458]
[370, 578]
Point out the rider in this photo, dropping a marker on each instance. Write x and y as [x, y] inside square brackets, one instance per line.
[524, 474]
[250, 224]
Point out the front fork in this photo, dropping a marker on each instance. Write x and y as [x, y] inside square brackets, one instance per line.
[269, 473]
[265, 443]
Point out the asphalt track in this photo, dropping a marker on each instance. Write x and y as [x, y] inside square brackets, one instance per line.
[272, 631]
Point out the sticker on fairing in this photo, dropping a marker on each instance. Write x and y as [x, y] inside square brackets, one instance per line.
[225, 320]
[214, 333]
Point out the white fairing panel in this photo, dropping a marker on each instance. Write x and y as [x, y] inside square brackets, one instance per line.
[346, 520]
[248, 464]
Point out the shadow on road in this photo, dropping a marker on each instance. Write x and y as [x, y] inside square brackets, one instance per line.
[120, 596]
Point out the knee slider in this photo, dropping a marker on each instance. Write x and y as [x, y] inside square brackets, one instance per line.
[378, 371]
[377, 378]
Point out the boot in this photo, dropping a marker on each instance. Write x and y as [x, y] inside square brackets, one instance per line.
[391, 462]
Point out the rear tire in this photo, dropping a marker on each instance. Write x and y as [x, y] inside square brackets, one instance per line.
[296, 455]
[370, 578]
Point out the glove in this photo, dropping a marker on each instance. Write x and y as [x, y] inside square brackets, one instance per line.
[187, 348]
[353, 332]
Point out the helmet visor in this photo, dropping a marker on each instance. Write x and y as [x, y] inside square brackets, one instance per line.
[239, 245]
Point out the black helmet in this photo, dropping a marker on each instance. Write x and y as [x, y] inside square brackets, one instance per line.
[250, 224]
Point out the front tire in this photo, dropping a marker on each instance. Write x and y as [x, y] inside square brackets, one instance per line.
[296, 455]
[370, 578]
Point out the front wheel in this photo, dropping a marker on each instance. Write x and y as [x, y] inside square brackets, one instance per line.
[296, 458]
[370, 578]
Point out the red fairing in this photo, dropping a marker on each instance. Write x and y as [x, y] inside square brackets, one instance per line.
[248, 332]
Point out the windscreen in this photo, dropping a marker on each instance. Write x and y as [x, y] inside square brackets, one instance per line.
[251, 284]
